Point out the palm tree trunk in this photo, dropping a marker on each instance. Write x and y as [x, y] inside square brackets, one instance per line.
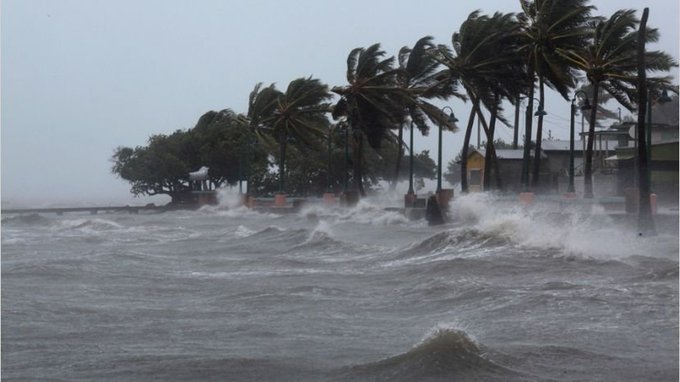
[645, 221]
[399, 156]
[516, 129]
[490, 149]
[588, 170]
[539, 136]
[528, 120]
[357, 162]
[493, 158]
[464, 151]
[282, 162]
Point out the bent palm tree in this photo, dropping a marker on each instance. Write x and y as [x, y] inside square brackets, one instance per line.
[609, 61]
[371, 102]
[418, 79]
[484, 62]
[300, 114]
[548, 25]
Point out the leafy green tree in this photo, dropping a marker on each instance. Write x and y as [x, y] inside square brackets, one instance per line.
[609, 61]
[548, 26]
[157, 169]
[225, 145]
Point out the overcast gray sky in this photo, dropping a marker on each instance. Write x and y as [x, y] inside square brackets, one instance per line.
[81, 77]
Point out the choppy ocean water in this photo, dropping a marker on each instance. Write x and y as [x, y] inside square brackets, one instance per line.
[228, 294]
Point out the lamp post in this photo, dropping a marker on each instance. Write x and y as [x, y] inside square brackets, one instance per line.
[328, 172]
[586, 106]
[344, 167]
[527, 148]
[451, 120]
[409, 121]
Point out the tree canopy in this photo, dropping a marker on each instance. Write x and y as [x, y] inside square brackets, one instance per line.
[286, 138]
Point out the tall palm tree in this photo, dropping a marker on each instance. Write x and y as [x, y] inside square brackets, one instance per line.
[418, 70]
[261, 105]
[484, 62]
[371, 102]
[609, 61]
[548, 25]
[300, 114]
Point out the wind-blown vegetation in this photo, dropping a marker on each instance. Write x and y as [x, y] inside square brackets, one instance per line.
[306, 139]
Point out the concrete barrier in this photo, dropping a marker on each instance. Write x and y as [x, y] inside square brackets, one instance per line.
[444, 197]
[329, 199]
[526, 198]
[409, 200]
[569, 195]
[280, 200]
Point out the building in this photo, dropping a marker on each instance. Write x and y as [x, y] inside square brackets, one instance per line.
[510, 168]
[663, 164]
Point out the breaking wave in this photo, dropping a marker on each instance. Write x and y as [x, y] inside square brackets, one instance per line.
[89, 225]
[364, 212]
[572, 232]
[446, 353]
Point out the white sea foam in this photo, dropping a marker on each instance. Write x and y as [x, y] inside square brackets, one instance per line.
[447, 327]
[548, 226]
[229, 199]
[368, 212]
[88, 225]
[243, 231]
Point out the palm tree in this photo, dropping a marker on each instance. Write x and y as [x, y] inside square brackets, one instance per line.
[548, 25]
[300, 114]
[371, 102]
[417, 77]
[261, 105]
[609, 61]
[484, 62]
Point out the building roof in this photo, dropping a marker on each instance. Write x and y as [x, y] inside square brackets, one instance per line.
[559, 145]
[563, 145]
[510, 154]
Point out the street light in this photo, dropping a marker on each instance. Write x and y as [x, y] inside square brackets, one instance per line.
[344, 167]
[584, 107]
[328, 172]
[409, 121]
[451, 120]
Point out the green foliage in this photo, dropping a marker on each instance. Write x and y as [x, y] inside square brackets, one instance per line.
[283, 137]
[219, 141]
[609, 60]
[159, 168]
[371, 101]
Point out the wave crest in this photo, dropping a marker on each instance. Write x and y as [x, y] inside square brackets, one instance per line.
[445, 353]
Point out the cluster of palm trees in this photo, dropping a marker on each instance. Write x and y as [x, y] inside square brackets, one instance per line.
[492, 59]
